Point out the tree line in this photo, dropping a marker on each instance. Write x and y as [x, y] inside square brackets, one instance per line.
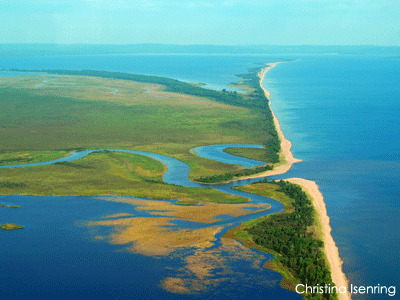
[255, 99]
[229, 176]
[288, 234]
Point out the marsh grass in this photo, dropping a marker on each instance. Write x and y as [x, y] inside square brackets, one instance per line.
[86, 115]
[270, 190]
[253, 153]
[11, 226]
[107, 173]
[45, 117]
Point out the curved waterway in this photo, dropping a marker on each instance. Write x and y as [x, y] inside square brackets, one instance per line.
[201, 271]
[178, 173]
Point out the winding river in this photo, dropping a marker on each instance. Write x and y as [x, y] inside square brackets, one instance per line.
[177, 174]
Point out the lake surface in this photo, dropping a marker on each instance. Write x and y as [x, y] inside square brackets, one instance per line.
[341, 114]
[59, 254]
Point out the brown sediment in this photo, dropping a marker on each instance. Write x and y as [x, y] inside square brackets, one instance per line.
[207, 268]
[118, 215]
[151, 235]
[175, 285]
[148, 236]
[205, 213]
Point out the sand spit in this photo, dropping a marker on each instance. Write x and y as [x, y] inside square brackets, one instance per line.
[286, 155]
[330, 248]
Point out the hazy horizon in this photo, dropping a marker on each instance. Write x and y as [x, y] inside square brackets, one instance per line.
[44, 49]
[218, 22]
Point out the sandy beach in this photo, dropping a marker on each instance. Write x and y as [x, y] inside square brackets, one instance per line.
[330, 248]
[310, 187]
[286, 156]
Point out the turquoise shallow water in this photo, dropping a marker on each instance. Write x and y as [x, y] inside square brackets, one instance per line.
[341, 114]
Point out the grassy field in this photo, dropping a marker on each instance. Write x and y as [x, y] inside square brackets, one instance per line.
[256, 154]
[268, 190]
[60, 116]
[106, 173]
[45, 117]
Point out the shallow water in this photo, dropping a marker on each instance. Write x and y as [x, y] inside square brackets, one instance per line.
[341, 114]
[57, 255]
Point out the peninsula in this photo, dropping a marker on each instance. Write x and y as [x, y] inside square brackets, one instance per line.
[136, 126]
[323, 230]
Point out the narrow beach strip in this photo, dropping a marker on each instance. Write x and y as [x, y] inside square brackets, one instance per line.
[286, 156]
[310, 187]
[330, 248]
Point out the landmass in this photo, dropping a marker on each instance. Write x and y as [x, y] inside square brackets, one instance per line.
[100, 110]
[322, 230]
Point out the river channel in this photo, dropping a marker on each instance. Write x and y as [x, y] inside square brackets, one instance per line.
[71, 246]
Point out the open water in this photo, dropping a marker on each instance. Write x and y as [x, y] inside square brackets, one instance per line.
[341, 113]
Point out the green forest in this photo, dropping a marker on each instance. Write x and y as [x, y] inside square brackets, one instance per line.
[289, 235]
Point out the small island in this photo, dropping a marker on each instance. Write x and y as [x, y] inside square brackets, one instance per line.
[11, 226]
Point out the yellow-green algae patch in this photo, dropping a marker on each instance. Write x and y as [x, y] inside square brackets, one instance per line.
[205, 213]
[209, 268]
[152, 236]
[11, 226]
[119, 215]
[148, 236]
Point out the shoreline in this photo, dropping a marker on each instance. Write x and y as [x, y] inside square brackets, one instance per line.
[310, 187]
[286, 156]
[330, 248]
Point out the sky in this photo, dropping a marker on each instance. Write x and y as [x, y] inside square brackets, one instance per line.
[187, 22]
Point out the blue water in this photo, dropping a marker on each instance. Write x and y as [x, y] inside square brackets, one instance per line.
[57, 256]
[341, 114]
[216, 152]
[216, 71]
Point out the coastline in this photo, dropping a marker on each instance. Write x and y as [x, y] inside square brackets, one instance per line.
[286, 156]
[330, 248]
[310, 187]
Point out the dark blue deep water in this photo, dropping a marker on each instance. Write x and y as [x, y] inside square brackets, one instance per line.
[341, 114]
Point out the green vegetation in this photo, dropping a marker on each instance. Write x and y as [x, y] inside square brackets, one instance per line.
[290, 236]
[17, 158]
[252, 153]
[229, 176]
[9, 184]
[11, 206]
[268, 189]
[175, 86]
[11, 226]
[46, 117]
[107, 173]
[76, 112]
